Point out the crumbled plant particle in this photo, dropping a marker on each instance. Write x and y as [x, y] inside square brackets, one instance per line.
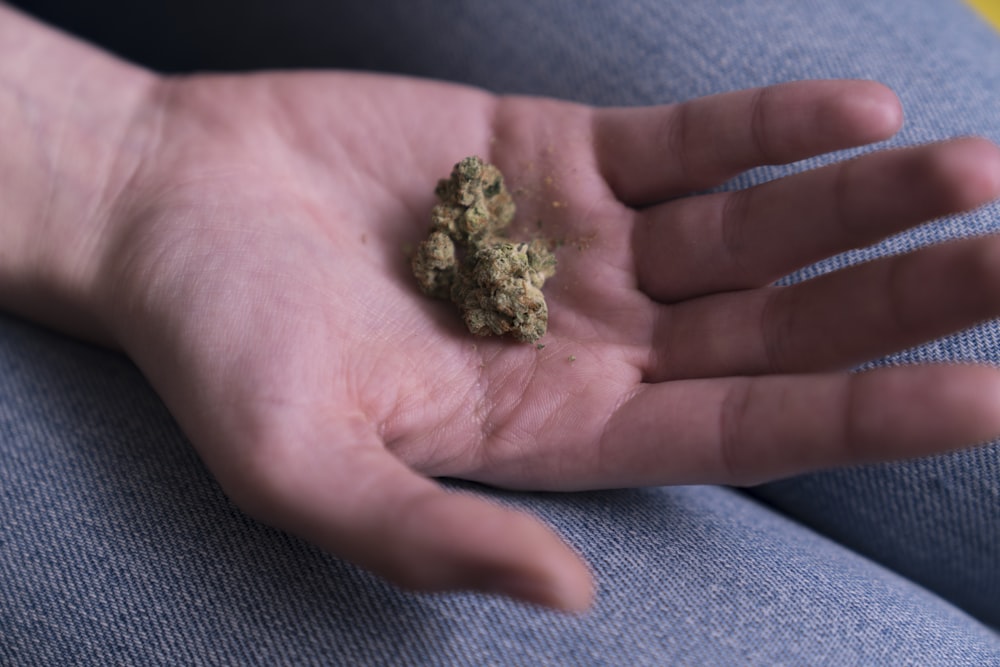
[495, 282]
[434, 264]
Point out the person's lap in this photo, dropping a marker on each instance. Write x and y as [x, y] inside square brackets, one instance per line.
[117, 547]
[117, 543]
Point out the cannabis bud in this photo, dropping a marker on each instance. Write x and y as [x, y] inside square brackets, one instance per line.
[496, 283]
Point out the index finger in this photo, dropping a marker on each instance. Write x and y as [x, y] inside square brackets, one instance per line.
[653, 153]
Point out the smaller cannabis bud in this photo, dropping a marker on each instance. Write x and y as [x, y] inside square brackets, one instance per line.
[496, 283]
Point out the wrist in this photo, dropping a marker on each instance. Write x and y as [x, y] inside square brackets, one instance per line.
[75, 123]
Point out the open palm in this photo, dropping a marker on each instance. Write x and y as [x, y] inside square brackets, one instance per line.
[256, 270]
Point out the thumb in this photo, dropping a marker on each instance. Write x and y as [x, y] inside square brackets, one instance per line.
[344, 491]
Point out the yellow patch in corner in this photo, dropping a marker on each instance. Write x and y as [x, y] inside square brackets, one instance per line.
[990, 10]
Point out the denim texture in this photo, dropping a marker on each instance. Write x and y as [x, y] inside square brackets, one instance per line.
[117, 547]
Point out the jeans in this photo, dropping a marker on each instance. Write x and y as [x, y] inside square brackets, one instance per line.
[117, 547]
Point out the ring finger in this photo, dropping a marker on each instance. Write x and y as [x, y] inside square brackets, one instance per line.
[834, 321]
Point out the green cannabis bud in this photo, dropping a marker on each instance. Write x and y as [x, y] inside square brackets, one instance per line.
[496, 283]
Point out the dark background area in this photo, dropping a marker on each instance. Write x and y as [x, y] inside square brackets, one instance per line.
[182, 35]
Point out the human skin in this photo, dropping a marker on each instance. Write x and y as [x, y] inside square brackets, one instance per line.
[241, 239]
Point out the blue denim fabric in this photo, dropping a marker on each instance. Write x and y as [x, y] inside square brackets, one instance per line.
[117, 547]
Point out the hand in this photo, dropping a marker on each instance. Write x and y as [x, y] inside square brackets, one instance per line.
[255, 269]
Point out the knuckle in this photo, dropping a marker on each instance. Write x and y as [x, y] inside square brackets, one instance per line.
[736, 209]
[733, 418]
[760, 134]
[777, 324]
[677, 128]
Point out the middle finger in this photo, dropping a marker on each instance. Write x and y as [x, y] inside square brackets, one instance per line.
[749, 238]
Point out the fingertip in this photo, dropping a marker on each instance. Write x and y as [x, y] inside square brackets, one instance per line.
[971, 166]
[966, 399]
[543, 570]
[872, 110]
[570, 586]
[928, 410]
[977, 393]
[472, 544]
[579, 590]
[570, 591]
